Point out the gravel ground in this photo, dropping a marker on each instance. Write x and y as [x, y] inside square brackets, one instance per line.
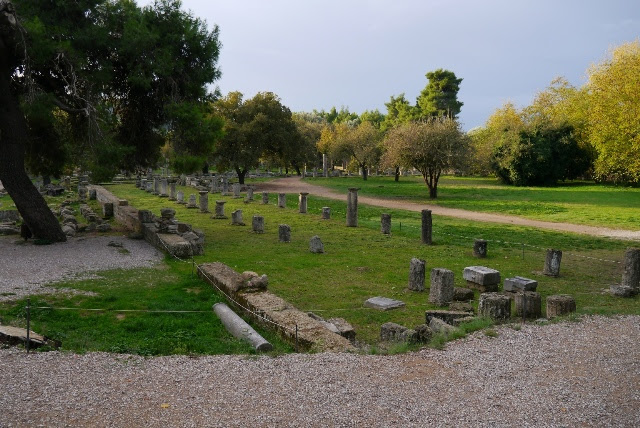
[565, 374]
[25, 267]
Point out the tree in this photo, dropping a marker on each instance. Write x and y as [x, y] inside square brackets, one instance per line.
[432, 146]
[399, 112]
[541, 157]
[614, 113]
[97, 78]
[261, 126]
[309, 128]
[440, 96]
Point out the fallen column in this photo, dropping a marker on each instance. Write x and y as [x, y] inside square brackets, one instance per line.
[240, 329]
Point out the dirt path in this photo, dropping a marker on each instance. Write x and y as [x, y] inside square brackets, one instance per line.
[296, 184]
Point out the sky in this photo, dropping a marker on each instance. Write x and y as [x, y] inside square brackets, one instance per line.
[357, 54]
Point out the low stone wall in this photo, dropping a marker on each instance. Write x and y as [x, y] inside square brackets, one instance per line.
[125, 214]
[312, 335]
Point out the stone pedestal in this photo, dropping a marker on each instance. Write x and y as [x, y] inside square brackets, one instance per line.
[156, 186]
[302, 202]
[257, 224]
[236, 218]
[143, 184]
[441, 289]
[528, 303]
[172, 190]
[385, 223]
[315, 245]
[192, 201]
[480, 248]
[352, 207]
[236, 190]
[495, 306]
[560, 304]
[219, 214]
[204, 201]
[164, 188]
[552, 263]
[326, 213]
[416, 274]
[284, 233]
[426, 232]
[149, 188]
[180, 197]
[282, 200]
[250, 193]
[265, 198]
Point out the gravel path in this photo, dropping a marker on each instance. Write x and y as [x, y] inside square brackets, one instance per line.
[295, 184]
[566, 374]
[25, 267]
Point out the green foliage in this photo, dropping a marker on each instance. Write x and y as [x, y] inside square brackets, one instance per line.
[114, 68]
[106, 160]
[261, 126]
[541, 157]
[440, 96]
[614, 114]
[399, 111]
[432, 147]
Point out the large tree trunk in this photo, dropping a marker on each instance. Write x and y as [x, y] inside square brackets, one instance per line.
[365, 171]
[397, 175]
[13, 134]
[241, 173]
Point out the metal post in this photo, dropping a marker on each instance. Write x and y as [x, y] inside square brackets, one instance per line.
[524, 307]
[296, 337]
[28, 323]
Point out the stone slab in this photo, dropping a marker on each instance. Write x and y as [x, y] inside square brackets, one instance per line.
[16, 335]
[481, 275]
[383, 303]
[446, 316]
[519, 283]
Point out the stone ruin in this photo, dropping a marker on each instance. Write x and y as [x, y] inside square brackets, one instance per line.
[169, 234]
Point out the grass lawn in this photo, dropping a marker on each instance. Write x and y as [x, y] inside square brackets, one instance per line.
[575, 202]
[358, 263]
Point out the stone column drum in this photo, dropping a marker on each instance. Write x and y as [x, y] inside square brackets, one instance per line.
[236, 218]
[528, 303]
[416, 274]
[441, 290]
[172, 190]
[204, 201]
[480, 248]
[552, 262]
[631, 274]
[180, 197]
[495, 306]
[302, 202]
[265, 198]
[250, 193]
[426, 232]
[385, 223]
[284, 233]
[352, 207]
[164, 188]
[326, 213]
[282, 200]
[560, 304]
[219, 214]
[257, 224]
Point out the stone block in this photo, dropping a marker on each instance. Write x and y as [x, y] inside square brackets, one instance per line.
[623, 291]
[560, 304]
[462, 294]
[284, 233]
[315, 245]
[446, 316]
[480, 248]
[495, 306]
[482, 278]
[518, 283]
[461, 307]
[383, 303]
[392, 332]
[528, 303]
[439, 326]
[441, 290]
[552, 263]
[343, 327]
[416, 274]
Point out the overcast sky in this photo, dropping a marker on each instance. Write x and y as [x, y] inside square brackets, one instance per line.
[356, 53]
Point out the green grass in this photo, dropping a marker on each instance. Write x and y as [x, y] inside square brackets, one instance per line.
[358, 263]
[574, 202]
[361, 262]
[131, 319]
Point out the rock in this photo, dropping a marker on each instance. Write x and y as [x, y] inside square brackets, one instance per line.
[424, 333]
[461, 307]
[284, 233]
[552, 263]
[446, 316]
[383, 303]
[9, 229]
[416, 274]
[561, 304]
[104, 227]
[480, 248]
[8, 216]
[530, 303]
[495, 306]
[439, 326]
[68, 230]
[345, 329]
[462, 294]
[252, 282]
[392, 332]
[623, 291]
[519, 283]
[315, 245]
[145, 216]
[441, 291]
